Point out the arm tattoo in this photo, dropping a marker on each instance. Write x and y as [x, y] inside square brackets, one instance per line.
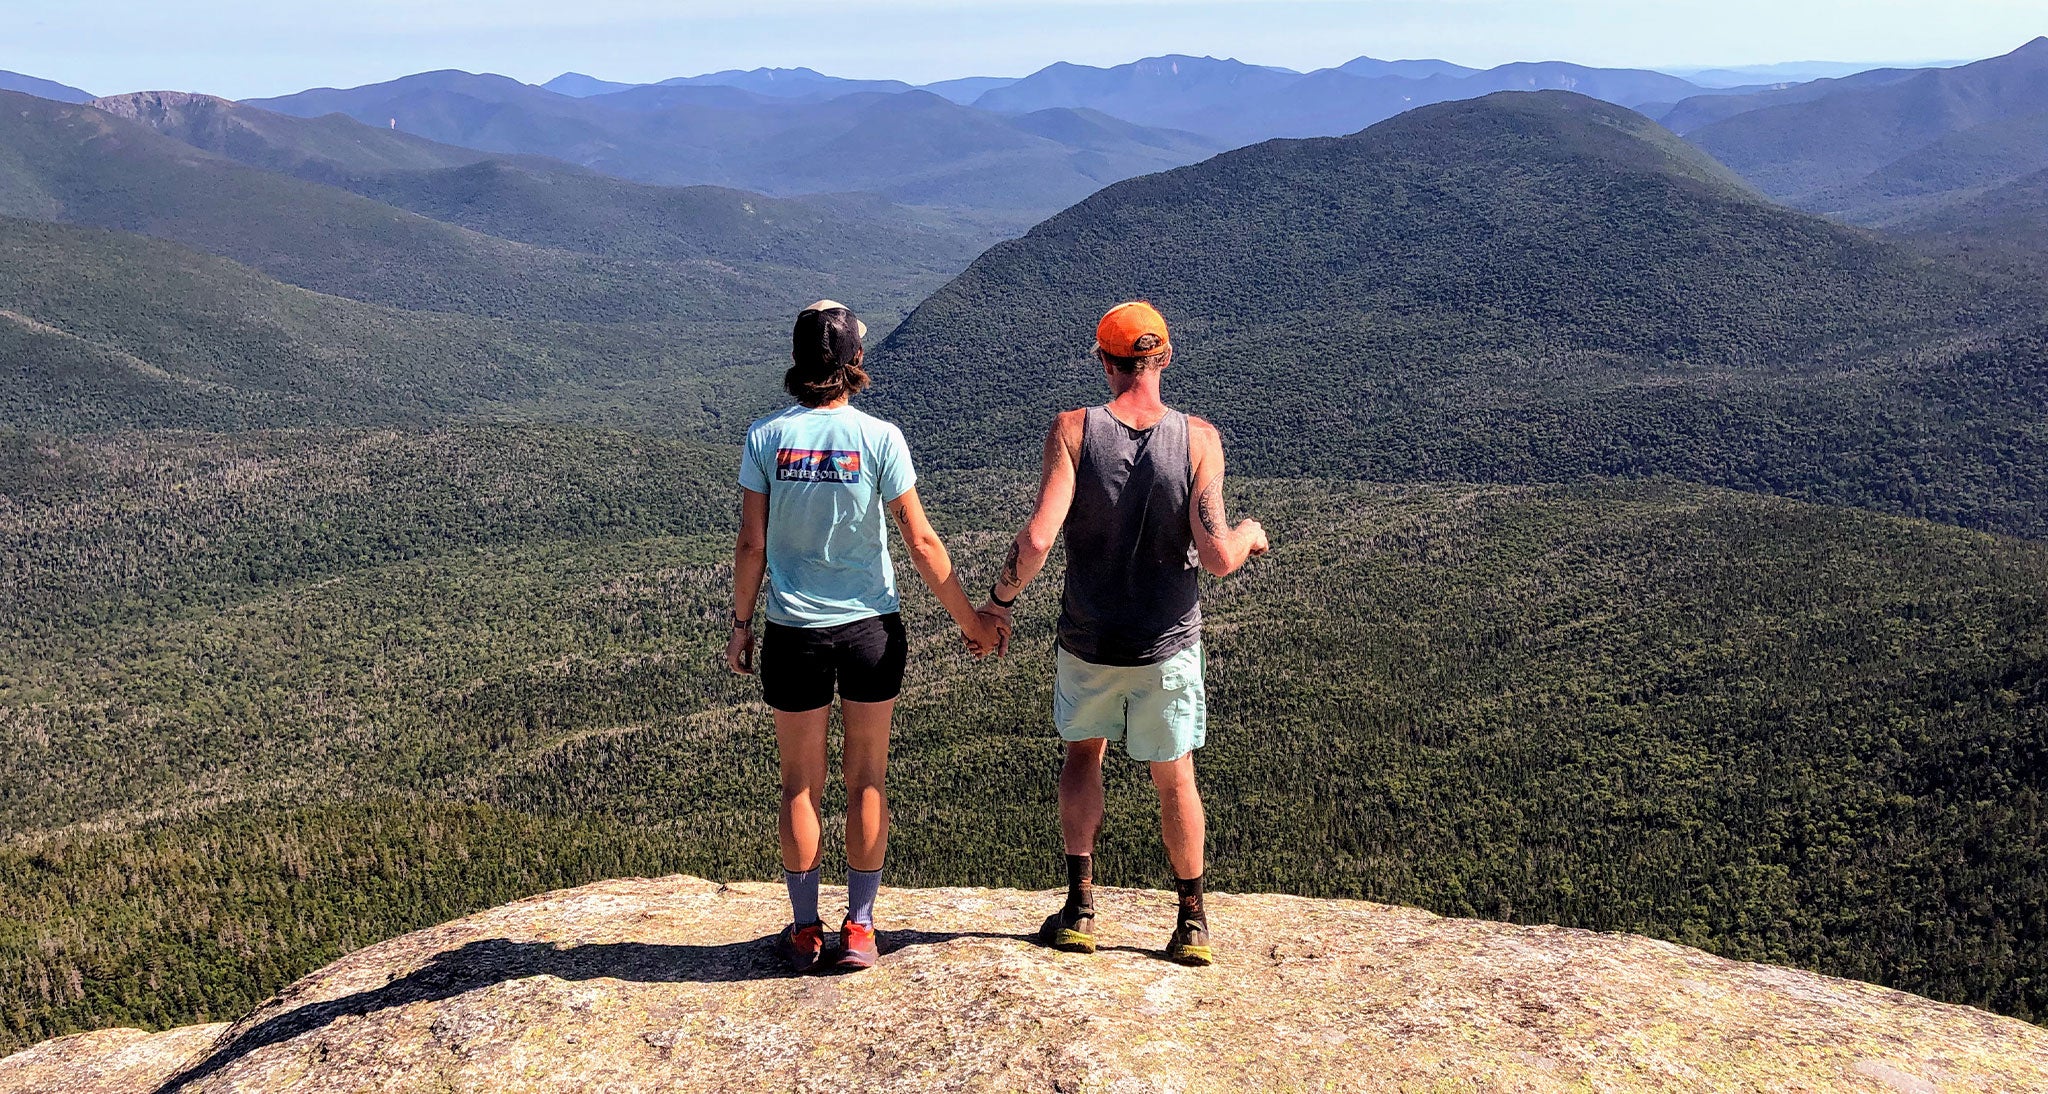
[1010, 565]
[1211, 509]
[901, 510]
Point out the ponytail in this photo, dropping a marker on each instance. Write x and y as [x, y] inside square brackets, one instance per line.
[816, 387]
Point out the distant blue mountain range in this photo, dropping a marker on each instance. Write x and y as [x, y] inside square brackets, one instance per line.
[43, 89]
[1226, 101]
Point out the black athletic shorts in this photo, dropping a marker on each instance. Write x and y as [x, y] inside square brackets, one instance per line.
[865, 658]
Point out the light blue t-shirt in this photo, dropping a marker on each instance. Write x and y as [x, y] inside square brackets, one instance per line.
[828, 475]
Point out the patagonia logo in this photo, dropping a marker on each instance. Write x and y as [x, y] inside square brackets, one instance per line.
[816, 465]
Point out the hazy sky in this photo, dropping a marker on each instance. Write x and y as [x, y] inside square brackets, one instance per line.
[244, 48]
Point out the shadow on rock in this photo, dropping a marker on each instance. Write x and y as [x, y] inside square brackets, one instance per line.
[497, 960]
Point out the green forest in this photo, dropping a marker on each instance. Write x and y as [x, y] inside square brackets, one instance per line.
[271, 697]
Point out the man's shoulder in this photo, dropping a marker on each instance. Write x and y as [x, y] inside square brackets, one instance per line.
[1068, 427]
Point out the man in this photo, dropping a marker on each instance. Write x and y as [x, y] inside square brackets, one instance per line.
[1137, 488]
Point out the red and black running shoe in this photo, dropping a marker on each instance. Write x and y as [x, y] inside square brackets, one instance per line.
[801, 947]
[857, 947]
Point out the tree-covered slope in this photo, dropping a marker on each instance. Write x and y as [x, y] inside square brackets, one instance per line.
[551, 204]
[326, 148]
[1693, 113]
[267, 698]
[84, 166]
[109, 330]
[1527, 287]
[1798, 148]
[854, 236]
[1952, 170]
[517, 288]
[2003, 229]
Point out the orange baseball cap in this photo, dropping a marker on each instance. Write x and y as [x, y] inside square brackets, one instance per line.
[1123, 325]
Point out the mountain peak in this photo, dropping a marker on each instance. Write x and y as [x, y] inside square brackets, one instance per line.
[670, 984]
[1574, 126]
[138, 104]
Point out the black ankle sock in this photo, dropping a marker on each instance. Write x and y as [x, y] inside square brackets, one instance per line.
[1190, 890]
[1081, 883]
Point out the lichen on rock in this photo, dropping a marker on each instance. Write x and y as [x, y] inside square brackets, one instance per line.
[670, 985]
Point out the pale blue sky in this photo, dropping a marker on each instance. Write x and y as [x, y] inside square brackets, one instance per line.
[244, 48]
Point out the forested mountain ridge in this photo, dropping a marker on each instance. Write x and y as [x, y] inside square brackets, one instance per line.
[526, 240]
[328, 148]
[548, 203]
[1797, 151]
[912, 147]
[84, 166]
[271, 697]
[499, 287]
[1953, 169]
[109, 330]
[1238, 103]
[1692, 113]
[786, 83]
[1526, 287]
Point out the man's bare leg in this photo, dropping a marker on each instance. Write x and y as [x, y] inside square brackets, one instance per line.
[1185, 829]
[1072, 928]
[1081, 795]
[1180, 814]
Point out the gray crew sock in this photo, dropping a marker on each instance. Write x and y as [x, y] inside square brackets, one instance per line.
[803, 895]
[861, 886]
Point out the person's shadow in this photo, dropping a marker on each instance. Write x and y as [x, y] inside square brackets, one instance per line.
[497, 960]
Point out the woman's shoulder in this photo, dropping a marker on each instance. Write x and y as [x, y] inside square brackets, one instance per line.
[774, 421]
[876, 427]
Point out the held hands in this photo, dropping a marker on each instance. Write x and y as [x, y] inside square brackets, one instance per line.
[1000, 619]
[982, 637]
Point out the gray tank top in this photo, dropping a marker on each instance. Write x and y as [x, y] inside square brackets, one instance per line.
[1132, 591]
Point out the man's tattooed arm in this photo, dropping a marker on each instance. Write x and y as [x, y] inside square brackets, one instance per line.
[1009, 575]
[1210, 506]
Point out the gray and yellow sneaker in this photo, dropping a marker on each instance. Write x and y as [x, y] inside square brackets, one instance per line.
[1190, 944]
[1070, 929]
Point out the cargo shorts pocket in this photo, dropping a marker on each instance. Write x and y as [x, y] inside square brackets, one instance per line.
[1178, 714]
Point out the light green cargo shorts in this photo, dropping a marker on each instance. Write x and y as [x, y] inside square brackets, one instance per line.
[1160, 712]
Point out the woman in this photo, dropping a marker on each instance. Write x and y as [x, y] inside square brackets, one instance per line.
[814, 482]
